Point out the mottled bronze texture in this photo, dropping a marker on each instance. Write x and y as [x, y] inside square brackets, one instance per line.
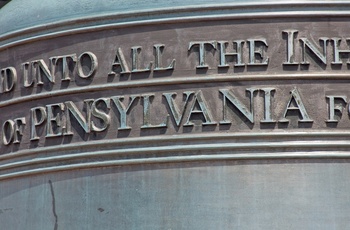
[174, 115]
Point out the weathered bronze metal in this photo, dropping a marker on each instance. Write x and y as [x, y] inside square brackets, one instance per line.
[174, 114]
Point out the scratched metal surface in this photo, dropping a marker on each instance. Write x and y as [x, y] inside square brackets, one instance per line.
[204, 142]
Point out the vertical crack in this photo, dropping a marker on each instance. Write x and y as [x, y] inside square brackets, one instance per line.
[53, 205]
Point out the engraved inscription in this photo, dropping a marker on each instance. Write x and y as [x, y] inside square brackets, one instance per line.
[260, 105]
[218, 83]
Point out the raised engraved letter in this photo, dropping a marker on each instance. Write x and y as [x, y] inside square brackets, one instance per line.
[147, 113]
[122, 110]
[238, 54]
[175, 112]
[38, 116]
[295, 97]
[249, 114]
[97, 112]
[8, 79]
[38, 67]
[66, 61]
[202, 108]
[19, 123]
[337, 53]
[267, 105]
[54, 120]
[8, 131]
[211, 44]
[322, 57]
[135, 61]
[71, 108]
[26, 81]
[253, 52]
[120, 61]
[87, 65]
[290, 47]
[332, 107]
[158, 59]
